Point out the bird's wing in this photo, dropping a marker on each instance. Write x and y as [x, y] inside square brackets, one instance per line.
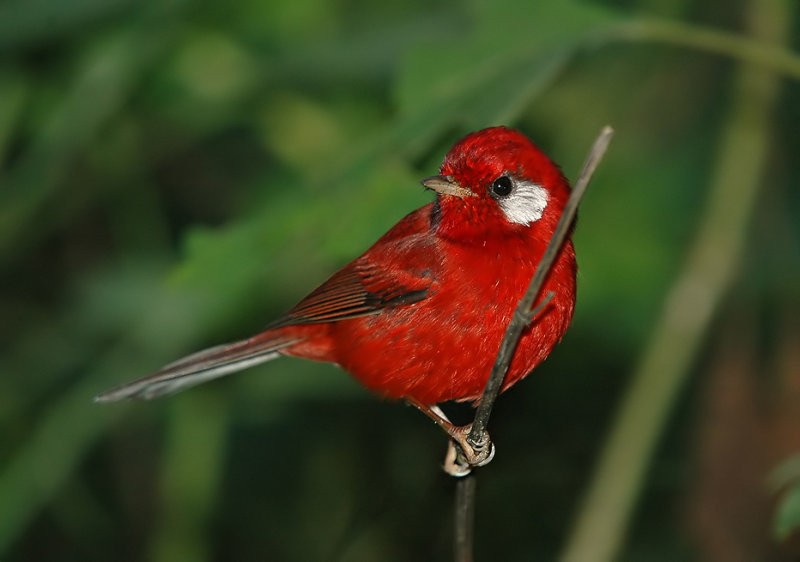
[361, 288]
[394, 272]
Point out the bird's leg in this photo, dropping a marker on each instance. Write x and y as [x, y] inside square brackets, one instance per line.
[462, 453]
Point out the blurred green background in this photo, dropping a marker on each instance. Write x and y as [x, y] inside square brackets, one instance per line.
[176, 173]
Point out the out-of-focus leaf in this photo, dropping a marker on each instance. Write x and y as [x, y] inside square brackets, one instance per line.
[787, 516]
[302, 133]
[56, 445]
[366, 55]
[25, 22]
[785, 479]
[214, 66]
[235, 258]
[71, 423]
[786, 473]
[510, 39]
[13, 93]
[102, 85]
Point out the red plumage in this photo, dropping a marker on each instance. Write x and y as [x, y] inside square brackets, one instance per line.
[421, 314]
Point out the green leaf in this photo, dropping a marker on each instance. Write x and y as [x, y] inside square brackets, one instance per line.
[102, 84]
[787, 516]
[14, 89]
[26, 22]
[490, 76]
[785, 474]
[512, 38]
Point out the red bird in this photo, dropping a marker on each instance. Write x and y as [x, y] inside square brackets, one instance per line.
[420, 315]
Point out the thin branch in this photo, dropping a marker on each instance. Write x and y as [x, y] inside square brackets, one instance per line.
[478, 437]
[767, 54]
[464, 518]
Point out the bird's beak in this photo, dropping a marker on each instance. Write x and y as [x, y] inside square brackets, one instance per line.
[447, 186]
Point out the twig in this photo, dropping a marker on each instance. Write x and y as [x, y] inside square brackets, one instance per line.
[464, 518]
[478, 436]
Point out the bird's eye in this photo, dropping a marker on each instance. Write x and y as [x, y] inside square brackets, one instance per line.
[502, 186]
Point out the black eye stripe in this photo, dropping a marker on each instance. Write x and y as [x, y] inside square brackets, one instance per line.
[502, 186]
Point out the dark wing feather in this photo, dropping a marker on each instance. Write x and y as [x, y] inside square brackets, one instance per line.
[361, 288]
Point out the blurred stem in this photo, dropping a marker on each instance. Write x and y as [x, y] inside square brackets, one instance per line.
[68, 428]
[777, 57]
[189, 481]
[52, 450]
[13, 95]
[690, 304]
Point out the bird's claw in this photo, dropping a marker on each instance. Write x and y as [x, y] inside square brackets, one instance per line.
[463, 454]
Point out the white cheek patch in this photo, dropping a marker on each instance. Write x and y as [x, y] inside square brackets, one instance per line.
[525, 204]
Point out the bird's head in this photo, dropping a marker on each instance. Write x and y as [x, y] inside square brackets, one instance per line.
[496, 182]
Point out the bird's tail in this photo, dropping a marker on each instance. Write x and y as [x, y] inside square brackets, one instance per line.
[200, 367]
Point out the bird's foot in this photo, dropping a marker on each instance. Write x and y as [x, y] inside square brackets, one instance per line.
[463, 453]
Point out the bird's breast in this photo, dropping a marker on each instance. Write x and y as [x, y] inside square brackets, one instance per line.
[443, 347]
